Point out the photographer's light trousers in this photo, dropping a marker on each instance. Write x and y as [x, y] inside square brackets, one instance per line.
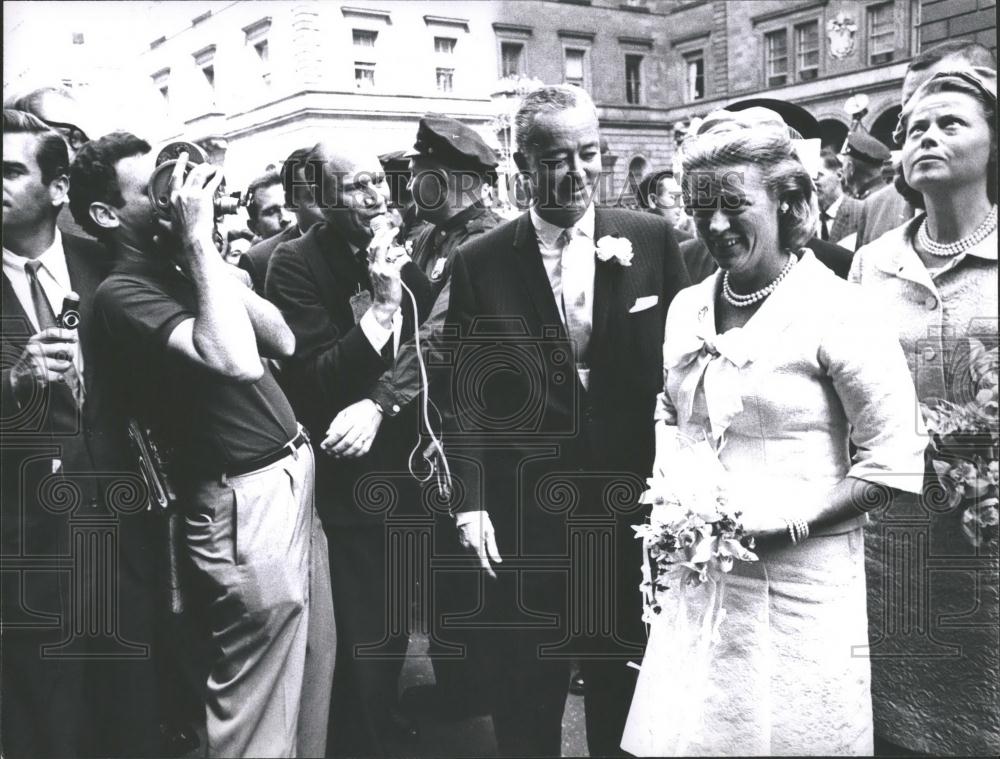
[256, 541]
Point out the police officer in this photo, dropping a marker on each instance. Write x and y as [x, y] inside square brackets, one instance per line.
[449, 165]
[863, 157]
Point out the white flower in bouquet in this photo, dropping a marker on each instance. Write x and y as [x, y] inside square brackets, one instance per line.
[692, 536]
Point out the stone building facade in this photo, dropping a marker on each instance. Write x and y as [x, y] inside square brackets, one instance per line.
[254, 80]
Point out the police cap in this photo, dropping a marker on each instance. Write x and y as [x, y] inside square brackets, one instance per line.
[864, 147]
[454, 144]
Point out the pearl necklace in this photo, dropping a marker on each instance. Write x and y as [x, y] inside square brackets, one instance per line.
[948, 250]
[742, 301]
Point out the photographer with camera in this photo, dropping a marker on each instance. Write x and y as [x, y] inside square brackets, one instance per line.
[55, 440]
[184, 341]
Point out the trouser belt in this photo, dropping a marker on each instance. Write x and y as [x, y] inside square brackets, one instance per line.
[270, 458]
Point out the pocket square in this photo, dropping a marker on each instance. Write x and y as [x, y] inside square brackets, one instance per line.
[646, 301]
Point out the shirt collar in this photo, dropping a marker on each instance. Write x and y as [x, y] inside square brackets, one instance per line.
[53, 260]
[128, 258]
[834, 207]
[548, 234]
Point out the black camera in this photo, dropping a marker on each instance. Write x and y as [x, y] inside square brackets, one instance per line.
[159, 183]
[69, 317]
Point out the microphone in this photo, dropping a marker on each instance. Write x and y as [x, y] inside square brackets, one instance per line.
[69, 317]
[383, 234]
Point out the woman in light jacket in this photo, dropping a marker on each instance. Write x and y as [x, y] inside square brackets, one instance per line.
[934, 629]
[778, 363]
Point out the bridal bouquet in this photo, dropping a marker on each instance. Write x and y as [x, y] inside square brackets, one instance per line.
[691, 542]
[692, 536]
[963, 448]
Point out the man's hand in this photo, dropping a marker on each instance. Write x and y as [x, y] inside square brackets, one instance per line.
[47, 357]
[353, 430]
[476, 536]
[192, 206]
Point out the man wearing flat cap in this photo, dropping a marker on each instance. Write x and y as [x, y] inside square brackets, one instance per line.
[863, 157]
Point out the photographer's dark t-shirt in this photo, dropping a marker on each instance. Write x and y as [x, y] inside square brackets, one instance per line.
[212, 424]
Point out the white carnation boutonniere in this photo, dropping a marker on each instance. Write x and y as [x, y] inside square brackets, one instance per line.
[613, 247]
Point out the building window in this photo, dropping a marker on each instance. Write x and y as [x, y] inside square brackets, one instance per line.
[807, 50]
[574, 66]
[445, 79]
[263, 51]
[915, 27]
[511, 59]
[257, 40]
[444, 45]
[776, 57]
[364, 75]
[205, 60]
[364, 37]
[694, 64]
[881, 34]
[161, 82]
[633, 79]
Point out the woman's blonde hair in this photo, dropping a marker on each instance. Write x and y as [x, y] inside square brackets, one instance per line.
[771, 150]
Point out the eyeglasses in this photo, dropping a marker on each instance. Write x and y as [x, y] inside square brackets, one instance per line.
[74, 136]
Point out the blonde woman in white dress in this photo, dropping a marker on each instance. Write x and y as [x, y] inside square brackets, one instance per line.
[779, 363]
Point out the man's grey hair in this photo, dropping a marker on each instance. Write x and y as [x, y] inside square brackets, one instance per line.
[549, 99]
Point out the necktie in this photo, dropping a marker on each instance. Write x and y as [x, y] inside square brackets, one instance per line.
[43, 309]
[824, 228]
[578, 311]
[46, 319]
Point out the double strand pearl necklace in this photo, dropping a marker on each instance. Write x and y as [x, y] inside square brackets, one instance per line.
[742, 301]
[948, 250]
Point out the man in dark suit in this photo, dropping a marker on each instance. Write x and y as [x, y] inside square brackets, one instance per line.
[559, 319]
[63, 461]
[659, 193]
[267, 212]
[58, 109]
[298, 199]
[838, 213]
[339, 287]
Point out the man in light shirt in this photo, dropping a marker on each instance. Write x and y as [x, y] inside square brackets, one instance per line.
[57, 433]
[558, 316]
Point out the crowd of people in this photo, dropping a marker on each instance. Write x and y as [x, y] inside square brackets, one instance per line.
[373, 393]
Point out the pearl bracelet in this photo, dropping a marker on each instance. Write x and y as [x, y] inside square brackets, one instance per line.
[798, 530]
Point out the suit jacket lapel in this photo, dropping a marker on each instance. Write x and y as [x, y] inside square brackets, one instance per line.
[528, 259]
[607, 279]
[12, 308]
[333, 266]
[85, 277]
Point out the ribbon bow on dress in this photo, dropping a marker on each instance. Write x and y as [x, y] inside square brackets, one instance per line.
[711, 365]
